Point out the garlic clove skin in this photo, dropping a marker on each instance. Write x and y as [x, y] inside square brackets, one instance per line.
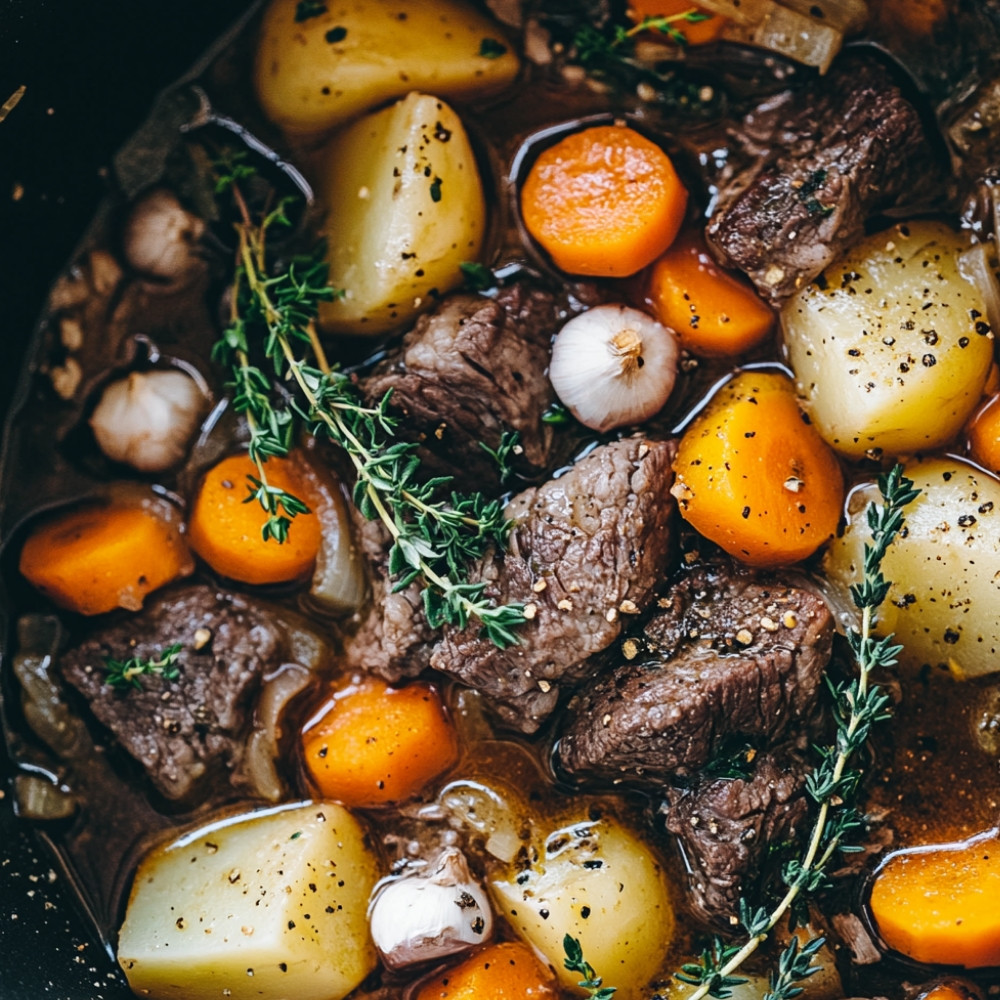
[613, 366]
[426, 916]
[147, 419]
[161, 239]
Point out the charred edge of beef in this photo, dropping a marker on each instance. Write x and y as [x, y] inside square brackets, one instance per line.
[587, 550]
[182, 731]
[728, 827]
[467, 372]
[728, 653]
[840, 150]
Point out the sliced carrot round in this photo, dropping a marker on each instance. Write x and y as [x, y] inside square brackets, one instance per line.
[373, 744]
[604, 201]
[714, 313]
[225, 530]
[984, 435]
[695, 33]
[508, 971]
[754, 476]
[96, 559]
[940, 906]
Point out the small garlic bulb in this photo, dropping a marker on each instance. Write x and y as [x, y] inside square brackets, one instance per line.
[161, 238]
[147, 419]
[613, 366]
[429, 915]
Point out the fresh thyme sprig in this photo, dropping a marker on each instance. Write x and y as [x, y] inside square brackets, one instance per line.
[123, 674]
[506, 451]
[833, 784]
[575, 962]
[434, 536]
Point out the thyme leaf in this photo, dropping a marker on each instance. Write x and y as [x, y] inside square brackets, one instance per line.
[281, 381]
[834, 782]
[506, 451]
[123, 674]
[575, 962]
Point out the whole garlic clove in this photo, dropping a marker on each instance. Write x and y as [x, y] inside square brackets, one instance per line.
[613, 366]
[161, 239]
[422, 917]
[147, 419]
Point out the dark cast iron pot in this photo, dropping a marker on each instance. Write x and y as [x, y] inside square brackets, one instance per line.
[91, 72]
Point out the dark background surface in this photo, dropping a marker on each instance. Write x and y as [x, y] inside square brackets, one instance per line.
[92, 70]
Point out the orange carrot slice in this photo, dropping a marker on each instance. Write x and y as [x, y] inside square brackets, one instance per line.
[754, 476]
[374, 744]
[604, 201]
[508, 971]
[226, 531]
[99, 558]
[940, 905]
[715, 314]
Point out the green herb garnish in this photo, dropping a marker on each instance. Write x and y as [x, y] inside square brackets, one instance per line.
[506, 451]
[435, 533]
[123, 674]
[305, 9]
[834, 783]
[575, 962]
[436, 189]
[490, 48]
[478, 277]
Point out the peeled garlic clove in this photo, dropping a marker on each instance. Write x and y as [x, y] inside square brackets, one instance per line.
[147, 420]
[613, 366]
[161, 238]
[423, 917]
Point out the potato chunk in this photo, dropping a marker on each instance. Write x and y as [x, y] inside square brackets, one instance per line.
[268, 904]
[598, 882]
[320, 65]
[405, 208]
[891, 346]
[945, 569]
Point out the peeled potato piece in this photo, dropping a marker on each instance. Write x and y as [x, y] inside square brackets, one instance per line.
[321, 64]
[891, 345]
[599, 883]
[269, 904]
[945, 568]
[405, 208]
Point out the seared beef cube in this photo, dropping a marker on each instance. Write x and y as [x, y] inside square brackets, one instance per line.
[726, 827]
[394, 639]
[728, 653]
[841, 150]
[467, 372]
[185, 729]
[585, 549]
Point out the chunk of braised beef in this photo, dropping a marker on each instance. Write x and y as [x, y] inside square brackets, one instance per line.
[393, 639]
[727, 827]
[729, 652]
[467, 372]
[587, 549]
[186, 730]
[824, 160]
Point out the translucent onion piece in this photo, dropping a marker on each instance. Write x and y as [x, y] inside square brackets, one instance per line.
[40, 799]
[487, 812]
[45, 708]
[262, 746]
[976, 265]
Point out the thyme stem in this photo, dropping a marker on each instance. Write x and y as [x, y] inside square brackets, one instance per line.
[832, 785]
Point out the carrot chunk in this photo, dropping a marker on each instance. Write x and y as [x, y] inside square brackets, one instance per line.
[715, 314]
[984, 435]
[373, 744]
[940, 905]
[754, 476]
[697, 33]
[508, 971]
[604, 201]
[96, 559]
[226, 531]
